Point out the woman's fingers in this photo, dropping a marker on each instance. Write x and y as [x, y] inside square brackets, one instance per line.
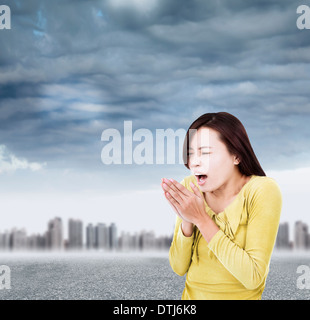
[177, 186]
[170, 201]
[174, 192]
[196, 190]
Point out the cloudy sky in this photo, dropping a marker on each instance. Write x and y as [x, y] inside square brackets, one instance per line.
[71, 69]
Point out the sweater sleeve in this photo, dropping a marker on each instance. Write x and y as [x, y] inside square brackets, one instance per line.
[180, 253]
[250, 264]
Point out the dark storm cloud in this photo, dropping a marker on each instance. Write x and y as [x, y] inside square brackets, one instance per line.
[70, 69]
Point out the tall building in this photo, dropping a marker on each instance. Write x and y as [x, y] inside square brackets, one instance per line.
[102, 236]
[75, 240]
[147, 240]
[90, 236]
[125, 241]
[54, 235]
[282, 241]
[18, 239]
[113, 236]
[301, 235]
[5, 241]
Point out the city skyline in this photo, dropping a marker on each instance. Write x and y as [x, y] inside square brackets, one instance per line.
[105, 236]
[100, 236]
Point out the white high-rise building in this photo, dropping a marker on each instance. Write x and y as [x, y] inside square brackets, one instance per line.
[90, 236]
[282, 241]
[55, 239]
[5, 241]
[301, 235]
[102, 236]
[18, 239]
[113, 236]
[75, 234]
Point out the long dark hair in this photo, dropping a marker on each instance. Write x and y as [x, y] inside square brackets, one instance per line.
[235, 137]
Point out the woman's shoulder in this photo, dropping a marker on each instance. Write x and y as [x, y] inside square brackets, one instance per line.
[262, 182]
[262, 187]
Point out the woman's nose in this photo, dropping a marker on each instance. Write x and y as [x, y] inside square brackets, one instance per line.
[195, 160]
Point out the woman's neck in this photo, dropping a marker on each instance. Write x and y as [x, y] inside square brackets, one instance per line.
[231, 188]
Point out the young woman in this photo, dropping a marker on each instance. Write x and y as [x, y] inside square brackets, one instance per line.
[228, 213]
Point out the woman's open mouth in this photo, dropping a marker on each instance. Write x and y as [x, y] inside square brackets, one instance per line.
[201, 179]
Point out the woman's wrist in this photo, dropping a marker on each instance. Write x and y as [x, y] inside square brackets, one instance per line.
[187, 228]
[207, 227]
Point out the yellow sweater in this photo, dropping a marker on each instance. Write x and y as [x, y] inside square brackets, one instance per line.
[235, 263]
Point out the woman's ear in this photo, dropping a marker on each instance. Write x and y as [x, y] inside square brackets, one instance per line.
[237, 160]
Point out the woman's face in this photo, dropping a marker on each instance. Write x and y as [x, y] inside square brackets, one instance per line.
[209, 160]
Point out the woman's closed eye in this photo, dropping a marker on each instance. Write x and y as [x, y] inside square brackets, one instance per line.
[203, 153]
